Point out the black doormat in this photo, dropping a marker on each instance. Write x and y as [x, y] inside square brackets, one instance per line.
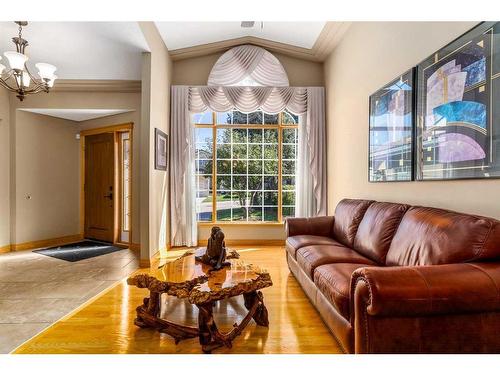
[74, 252]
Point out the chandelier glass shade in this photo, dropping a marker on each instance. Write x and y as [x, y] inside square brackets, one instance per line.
[17, 77]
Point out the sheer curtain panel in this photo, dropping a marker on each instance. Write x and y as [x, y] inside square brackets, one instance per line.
[182, 179]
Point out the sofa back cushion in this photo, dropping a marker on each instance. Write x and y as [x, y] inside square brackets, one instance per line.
[376, 230]
[429, 236]
[348, 215]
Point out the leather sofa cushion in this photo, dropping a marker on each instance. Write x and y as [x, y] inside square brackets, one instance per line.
[333, 281]
[428, 236]
[296, 242]
[317, 226]
[348, 215]
[377, 228]
[310, 257]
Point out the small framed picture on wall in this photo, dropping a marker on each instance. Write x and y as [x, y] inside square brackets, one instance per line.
[161, 150]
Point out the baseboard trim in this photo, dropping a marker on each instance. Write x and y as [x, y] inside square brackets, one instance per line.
[46, 243]
[255, 242]
[5, 249]
[145, 263]
[155, 258]
[135, 246]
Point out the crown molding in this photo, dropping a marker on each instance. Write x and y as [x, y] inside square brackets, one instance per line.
[327, 40]
[80, 85]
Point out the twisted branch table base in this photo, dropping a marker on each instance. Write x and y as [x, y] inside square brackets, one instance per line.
[203, 288]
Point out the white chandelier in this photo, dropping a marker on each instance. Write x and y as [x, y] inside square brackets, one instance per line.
[18, 78]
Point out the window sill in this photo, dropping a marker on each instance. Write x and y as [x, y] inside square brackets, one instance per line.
[245, 224]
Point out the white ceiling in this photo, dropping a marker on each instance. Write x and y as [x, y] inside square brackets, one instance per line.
[76, 114]
[113, 50]
[187, 34]
[82, 50]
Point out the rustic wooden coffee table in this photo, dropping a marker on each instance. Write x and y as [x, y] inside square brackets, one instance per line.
[187, 278]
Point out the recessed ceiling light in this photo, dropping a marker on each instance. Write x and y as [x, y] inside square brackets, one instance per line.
[247, 24]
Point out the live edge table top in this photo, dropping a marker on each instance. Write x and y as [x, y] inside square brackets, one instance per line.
[188, 278]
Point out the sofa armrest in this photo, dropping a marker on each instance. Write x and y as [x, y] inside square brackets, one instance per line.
[426, 290]
[313, 226]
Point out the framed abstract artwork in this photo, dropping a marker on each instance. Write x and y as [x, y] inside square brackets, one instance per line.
[161, 150]
[458, 108]
[391, 130]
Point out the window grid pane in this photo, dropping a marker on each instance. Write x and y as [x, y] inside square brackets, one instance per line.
[248, 166]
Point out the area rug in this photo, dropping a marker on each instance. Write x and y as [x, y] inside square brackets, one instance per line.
[74, 252]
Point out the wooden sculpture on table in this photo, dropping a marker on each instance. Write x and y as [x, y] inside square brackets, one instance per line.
[215, 255]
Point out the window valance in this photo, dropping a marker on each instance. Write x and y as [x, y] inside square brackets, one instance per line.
[248, 99]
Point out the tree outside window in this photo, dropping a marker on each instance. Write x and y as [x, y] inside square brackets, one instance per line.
[245, 166]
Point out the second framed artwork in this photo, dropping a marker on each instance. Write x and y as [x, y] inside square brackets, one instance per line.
[391, 133]
[458, 132]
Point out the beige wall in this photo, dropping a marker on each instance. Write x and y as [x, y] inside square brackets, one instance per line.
[47, 178]
[4, 168]
[369, 56]
[195, 71]
[156, 80]
[25, 151]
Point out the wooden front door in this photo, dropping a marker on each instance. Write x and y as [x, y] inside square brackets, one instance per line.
[99, 186]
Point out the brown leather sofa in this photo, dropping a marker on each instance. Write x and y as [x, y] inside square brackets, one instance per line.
[393, 278]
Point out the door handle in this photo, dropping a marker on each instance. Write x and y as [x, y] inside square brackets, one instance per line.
[110, 196]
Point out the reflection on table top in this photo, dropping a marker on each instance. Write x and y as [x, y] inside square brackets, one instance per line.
[186, 268]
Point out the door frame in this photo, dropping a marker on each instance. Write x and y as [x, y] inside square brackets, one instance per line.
[118, 194]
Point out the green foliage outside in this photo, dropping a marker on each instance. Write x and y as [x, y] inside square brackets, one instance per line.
[262, 144]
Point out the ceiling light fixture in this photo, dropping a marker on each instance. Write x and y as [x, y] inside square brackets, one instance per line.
[18, 78]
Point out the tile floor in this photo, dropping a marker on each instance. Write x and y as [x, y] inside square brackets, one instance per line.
[37, 290]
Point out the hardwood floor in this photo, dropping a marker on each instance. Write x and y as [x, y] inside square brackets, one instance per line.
[106, 325]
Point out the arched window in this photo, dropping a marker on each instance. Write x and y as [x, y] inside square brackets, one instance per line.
[248, 134]
[246, 162]
[248, 65]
